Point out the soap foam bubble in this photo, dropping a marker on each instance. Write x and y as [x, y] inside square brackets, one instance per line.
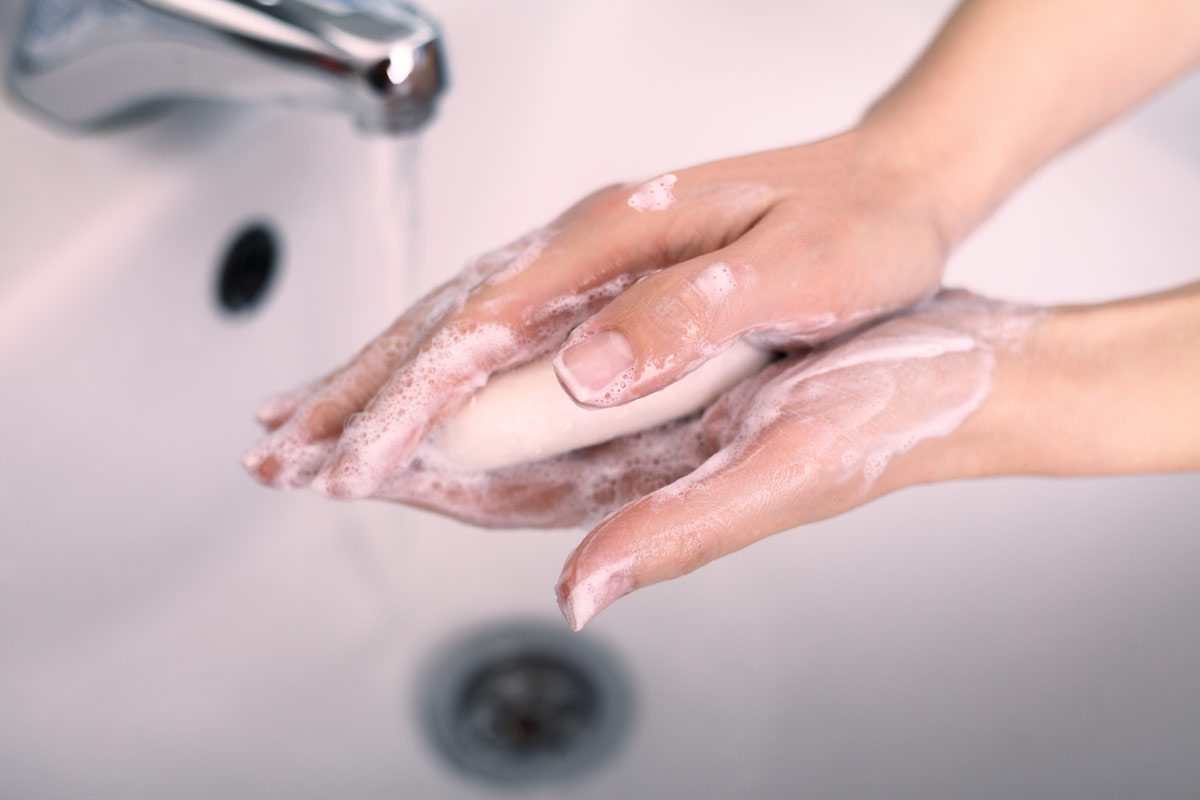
[457, 359]
[654, 195]
[812, 329]
[849, 393]
[875, 464]
[716, 282]
[514, 259]
[454, 362]
[578, 488]
[805, 428]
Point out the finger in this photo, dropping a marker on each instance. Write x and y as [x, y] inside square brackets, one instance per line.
[811, 436]
[516, 313]
[293, 453]
[658, 330]
[675, 320]
[729, 416]
[776, 292]
[286, 457]
[566, 490]
[728, 502]
[303, 461]
[277, 410]
[329, 402]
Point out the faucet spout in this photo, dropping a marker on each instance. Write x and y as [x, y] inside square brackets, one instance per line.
[95, 63]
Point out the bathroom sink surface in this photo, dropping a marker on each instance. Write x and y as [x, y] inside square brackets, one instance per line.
[170, 628]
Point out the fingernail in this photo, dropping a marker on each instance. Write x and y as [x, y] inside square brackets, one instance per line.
[592, 595]
[591, 365]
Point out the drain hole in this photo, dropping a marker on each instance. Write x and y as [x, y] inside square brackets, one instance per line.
[247, 269]
[526, 703]
[530, 703]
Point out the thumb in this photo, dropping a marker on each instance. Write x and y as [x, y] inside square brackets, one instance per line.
[673, 321]
[730, 501]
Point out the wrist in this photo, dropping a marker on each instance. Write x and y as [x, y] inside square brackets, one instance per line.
[959, 187]
[1002, 436]
[889, 181]
[1089, 390]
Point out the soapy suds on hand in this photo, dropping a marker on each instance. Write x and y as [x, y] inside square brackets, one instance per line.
[455, 360]
[577, 488]
[810, 429]
[845, 411]
[847, 387]
[294, 458]
[519, 256]
[292, 450]
[716, 281]
[839, 416]
[445, 358]
[654, 195]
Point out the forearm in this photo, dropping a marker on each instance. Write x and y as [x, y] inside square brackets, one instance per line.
[1007, 84]
[1093, 390]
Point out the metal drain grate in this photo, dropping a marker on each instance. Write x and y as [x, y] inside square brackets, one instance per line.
[525, 702]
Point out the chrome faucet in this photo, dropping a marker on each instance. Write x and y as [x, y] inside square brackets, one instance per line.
[96, 63]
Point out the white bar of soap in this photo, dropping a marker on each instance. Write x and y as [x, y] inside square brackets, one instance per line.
[525, 415]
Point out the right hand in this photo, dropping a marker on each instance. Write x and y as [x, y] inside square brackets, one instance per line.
[788, 247]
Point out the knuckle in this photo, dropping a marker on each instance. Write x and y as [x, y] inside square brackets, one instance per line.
[604, 197]
[679, 308]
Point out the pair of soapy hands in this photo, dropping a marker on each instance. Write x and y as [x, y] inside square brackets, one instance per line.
[822, 255]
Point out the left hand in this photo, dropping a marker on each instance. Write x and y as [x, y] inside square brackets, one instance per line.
[809, 437]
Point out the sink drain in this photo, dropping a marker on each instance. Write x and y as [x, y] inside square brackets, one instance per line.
[247, 269]
[525, 703]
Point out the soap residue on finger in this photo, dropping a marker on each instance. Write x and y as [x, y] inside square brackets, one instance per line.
[808, 437]
[716, 282]
[654, 195]
[512, 260]
[452, 362]
[856, 404]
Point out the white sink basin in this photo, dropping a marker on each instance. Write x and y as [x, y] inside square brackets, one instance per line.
[170, 629]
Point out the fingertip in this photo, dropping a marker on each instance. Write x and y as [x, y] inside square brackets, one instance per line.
[596, 369]
[562, 591]
[260, 464]
[270, 417]
[583, 594]
[564, 606]
[264, 465]
[252, 458]
[277, 410]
